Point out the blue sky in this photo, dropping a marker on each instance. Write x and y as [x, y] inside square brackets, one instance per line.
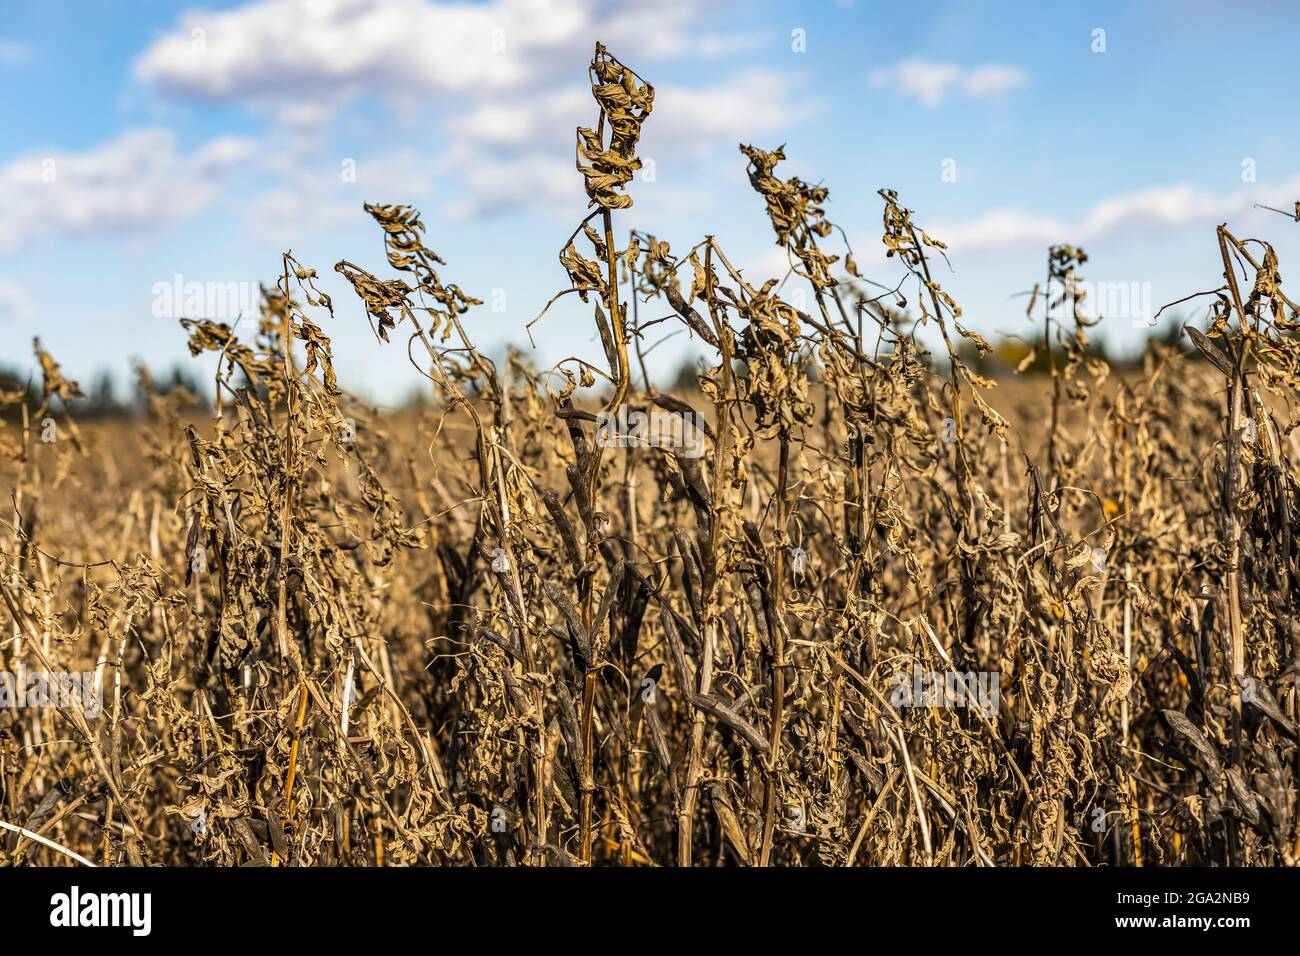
[150, 139]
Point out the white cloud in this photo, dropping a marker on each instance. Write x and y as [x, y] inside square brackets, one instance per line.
[736, 110]
[930, 83]
[298, 54]
[521, 122]
[1000, 227]
[748, 104]
[505, 81]
[290, 52]
[13, 53]
[311, 198]
[133, 183]
[993, 79]
[283, 216]
[1152, 209]
[533, 179]
[1163, 205]
[519, 150]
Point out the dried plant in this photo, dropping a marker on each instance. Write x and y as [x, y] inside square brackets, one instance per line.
[868, 619]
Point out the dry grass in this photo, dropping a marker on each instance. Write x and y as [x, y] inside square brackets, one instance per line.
[485, 637]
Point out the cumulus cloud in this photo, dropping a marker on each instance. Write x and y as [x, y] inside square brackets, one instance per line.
[515, 122]
[750, 103]
[930, 83]
[1151, 209]
[519, 150]
[502, 80]
[133, 183]
[293, 54]
[740, 108]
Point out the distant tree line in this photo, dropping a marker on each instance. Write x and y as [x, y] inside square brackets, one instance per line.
[104, 395]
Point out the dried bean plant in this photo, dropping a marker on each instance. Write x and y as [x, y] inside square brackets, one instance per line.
[485, 634]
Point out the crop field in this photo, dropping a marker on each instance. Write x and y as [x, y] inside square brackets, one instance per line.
[847, 599]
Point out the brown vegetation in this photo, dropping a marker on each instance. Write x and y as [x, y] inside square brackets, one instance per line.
[484, 635]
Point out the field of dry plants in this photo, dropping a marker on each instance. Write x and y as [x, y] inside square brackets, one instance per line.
[876, 617]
